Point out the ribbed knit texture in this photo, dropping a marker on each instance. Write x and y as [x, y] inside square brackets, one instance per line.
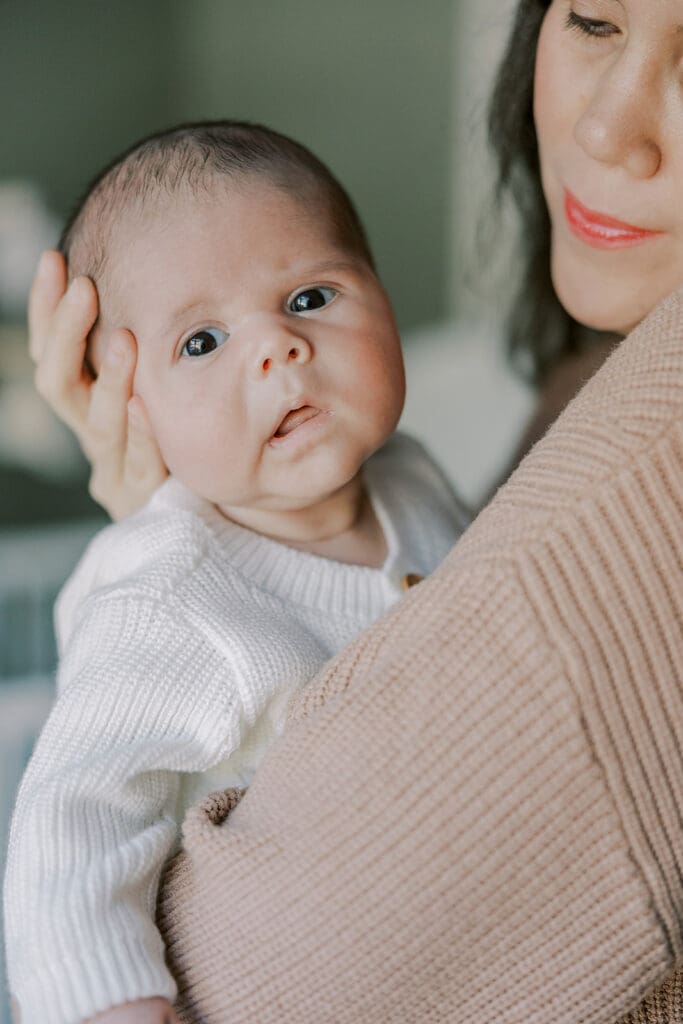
[182, 637]
[664, 1005]
[476, 813]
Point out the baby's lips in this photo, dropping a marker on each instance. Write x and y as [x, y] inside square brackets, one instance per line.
[294, 419]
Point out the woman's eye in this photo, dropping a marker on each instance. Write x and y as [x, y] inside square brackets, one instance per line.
[311, 298]
[205, 341]
[590, 26]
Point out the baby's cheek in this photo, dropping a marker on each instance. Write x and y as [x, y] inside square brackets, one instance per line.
[173, 422]
[383, 379]
[199, 455]
[184, 442]
[201, 435]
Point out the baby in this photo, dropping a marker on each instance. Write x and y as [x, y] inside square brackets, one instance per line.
[270, 366]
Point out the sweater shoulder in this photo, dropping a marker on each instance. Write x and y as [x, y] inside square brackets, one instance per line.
[162, 542]
[408, 470]
[148, 553]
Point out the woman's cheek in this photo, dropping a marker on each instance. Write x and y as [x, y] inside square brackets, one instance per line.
[558, 82]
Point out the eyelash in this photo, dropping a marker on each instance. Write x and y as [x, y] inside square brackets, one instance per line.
[589, 26]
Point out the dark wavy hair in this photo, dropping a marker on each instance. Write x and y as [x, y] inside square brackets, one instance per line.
[540, 331]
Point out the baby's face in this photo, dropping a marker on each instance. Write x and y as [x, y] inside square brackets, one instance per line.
[269, 360]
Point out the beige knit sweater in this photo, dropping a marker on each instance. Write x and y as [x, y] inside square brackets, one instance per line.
[477, 812]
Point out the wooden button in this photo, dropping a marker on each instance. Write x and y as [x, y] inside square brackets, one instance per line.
[410, 579]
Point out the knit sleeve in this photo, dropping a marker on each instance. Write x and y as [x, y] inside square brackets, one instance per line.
[469, 863]
[142, 698]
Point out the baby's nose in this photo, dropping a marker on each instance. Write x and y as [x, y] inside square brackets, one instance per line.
[280, 348]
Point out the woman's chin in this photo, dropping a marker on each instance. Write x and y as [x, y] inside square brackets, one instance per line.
[602, 306]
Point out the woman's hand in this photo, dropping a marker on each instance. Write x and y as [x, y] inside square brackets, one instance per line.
[111, 425]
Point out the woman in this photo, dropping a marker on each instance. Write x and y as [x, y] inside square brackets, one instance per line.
[477, 811]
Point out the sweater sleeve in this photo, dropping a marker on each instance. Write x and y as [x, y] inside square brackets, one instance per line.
[142, 698]
[470, 861]
[477, 812]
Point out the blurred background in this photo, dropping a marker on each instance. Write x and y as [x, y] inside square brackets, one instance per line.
[390, 94]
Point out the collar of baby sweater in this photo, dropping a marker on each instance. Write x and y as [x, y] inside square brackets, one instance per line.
[298, 576]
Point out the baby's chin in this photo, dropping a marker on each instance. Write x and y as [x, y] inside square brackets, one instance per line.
[292, 493]
[296, 501]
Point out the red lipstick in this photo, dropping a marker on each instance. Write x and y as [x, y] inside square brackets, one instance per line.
[600, 231]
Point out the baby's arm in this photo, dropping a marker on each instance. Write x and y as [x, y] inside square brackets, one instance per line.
[145, 699]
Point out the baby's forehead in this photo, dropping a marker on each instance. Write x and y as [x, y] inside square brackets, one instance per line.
[246, 214]
[154, 216]
[187, 229]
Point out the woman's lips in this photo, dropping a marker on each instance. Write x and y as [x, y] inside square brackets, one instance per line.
[601, 231]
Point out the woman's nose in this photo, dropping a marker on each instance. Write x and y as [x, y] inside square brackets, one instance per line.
[620, 124]
[279, 347]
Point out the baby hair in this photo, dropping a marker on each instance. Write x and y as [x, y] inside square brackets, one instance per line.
[193, 160]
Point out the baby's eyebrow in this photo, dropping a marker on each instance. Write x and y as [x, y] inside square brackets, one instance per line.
[327, 265]
[179, 314]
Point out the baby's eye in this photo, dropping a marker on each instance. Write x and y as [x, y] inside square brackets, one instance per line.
[204, 341]
[311, 298]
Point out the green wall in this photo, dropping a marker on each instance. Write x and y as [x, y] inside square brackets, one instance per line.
[366, 83]
[80, 79]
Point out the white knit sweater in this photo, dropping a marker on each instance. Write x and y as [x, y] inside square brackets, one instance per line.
[181, 638]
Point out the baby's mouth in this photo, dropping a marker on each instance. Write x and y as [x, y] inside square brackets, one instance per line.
[294, 419]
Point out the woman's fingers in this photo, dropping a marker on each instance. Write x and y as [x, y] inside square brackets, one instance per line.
[144, 467]
[107, 423]
[61, 376]
[106, 434]
[127, 464]
[47, 288]
[123, 479]
[116, 436]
